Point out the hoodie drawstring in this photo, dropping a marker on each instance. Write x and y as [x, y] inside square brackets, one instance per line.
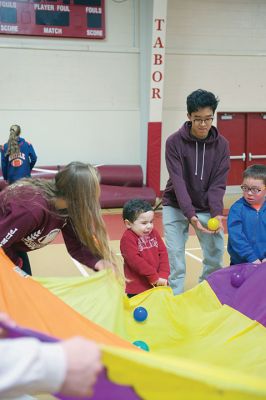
[203, 161]
[196, 169]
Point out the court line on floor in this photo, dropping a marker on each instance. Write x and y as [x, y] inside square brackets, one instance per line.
[192, 256]
[187, 252]
[85, 273]
[80, 267]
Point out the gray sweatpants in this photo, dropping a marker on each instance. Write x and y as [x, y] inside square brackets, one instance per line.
[176, 227]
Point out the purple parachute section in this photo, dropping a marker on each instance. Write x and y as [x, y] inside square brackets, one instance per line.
[242, 287]
[104, 389]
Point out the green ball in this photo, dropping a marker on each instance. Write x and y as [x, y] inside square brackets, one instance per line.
[141, 345]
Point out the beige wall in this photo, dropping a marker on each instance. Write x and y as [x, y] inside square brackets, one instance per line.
[76, 99]
[80, 99]
[215, 45]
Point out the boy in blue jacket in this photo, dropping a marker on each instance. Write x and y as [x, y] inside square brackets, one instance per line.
[247, 219]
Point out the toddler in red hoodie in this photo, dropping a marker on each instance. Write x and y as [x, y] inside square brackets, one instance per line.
[145, 256]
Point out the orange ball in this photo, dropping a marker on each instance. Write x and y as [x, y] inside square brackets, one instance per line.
[213, 224]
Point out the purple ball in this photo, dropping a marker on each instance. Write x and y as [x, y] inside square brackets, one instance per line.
[237, 279]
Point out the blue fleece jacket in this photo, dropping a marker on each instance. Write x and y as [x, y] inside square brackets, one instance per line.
[246, 232]
[19, 165]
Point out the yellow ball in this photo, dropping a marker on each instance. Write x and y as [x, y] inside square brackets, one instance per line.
[213, 224]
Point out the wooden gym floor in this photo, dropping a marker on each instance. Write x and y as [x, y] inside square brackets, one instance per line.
[53, 260]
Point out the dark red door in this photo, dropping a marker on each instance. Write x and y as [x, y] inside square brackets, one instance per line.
[233, 127]
[256, 138]
[246, 133]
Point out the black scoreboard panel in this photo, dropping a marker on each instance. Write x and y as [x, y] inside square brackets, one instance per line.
[57, 18]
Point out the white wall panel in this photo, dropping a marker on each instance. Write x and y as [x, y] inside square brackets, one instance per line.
[100, 137]
[48, 80]
[216, 26]
[76, 99]
[217, 45]
[88, 91]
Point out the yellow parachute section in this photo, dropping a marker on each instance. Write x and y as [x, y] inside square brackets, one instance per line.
[199, 349]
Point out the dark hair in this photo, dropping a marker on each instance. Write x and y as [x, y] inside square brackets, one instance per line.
[256, 171]
[201, 99]
[133, 208]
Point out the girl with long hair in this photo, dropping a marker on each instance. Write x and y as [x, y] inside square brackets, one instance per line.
[34, 211]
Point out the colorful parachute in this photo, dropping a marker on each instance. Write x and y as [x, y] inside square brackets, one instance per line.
[199, 347]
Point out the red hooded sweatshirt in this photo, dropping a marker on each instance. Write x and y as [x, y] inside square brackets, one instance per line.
[145, 260]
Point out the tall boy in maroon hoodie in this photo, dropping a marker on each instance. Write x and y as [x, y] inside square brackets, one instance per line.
[198, 160]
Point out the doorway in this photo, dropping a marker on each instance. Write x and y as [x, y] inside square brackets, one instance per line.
[246, 133]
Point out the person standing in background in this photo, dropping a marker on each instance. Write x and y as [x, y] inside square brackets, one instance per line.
[17, 156]
[198, 161]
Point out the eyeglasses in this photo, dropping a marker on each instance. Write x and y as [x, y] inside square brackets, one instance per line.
[200, 121]
[253, 190]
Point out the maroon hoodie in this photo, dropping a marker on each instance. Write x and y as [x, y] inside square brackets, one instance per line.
[28, 222]
[198, 171]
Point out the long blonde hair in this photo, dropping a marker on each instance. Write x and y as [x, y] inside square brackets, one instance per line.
[78, 184]
[12, 144]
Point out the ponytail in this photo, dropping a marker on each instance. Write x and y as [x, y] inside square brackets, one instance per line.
[12, 144]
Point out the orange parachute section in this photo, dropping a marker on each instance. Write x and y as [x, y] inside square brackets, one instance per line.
[33, 306]
[199, 348]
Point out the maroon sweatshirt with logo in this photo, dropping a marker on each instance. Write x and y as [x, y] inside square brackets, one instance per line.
[28, 222]
[145, 260]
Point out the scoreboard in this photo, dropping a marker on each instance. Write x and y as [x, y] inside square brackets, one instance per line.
[56, 18]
